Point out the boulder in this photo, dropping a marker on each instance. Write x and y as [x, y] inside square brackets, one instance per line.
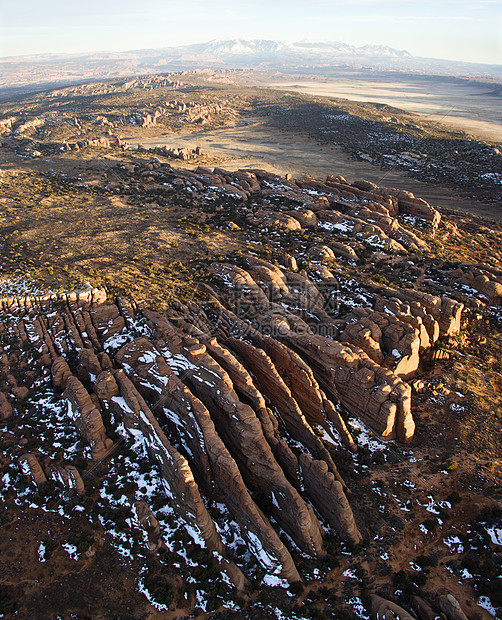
[306, 217]
[107, 320]
[149, 523]
[60, 372]
[342, 249]
[5, 407]
[31, 466]
[88, 366]
[382, 609]
[451, 607]
[105, 386]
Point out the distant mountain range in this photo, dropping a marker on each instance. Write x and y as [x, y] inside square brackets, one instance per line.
[302, 57]
[301, 51]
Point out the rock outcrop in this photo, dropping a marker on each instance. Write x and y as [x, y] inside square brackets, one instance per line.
[282, 365]
[272, 385]
[87, 418]
[67, 476]
[237, 425]
[451, 607]
[30, 465]
[370, 392]
[327, 495]
[176, 473]
[392, 341]
[5, 407]
[224, 474]
[383, 609]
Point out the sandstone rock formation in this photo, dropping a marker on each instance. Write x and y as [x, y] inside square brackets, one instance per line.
[182, 485]
[5, 407]
[369, 391]
[248, 392]
[235, 422]
[248, 414]
[326, 493]
[67, 476]
[245, 399]
[387, 610]
[389, 340]
[31, 466]
[451, 607]
[86, 417]
[278, 393]
[365, 388]
[149, 523]
[422, 609]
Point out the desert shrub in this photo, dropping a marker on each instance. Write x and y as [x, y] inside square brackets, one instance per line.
[160, 588]
[454, 498]
[405, 583]
[8, 603]
[430, 524]
[425, 561]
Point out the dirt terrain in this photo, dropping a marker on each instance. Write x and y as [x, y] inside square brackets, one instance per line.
[254, 144]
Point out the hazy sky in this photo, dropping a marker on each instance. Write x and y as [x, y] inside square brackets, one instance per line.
[453, 29]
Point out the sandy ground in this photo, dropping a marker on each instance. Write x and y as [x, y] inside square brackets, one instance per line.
[252, 144]
[462, 106]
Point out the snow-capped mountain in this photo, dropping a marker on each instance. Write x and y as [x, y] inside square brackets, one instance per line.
[301, 50]
[239, 47]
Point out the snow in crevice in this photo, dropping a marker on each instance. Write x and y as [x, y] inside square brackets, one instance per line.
[485, 603]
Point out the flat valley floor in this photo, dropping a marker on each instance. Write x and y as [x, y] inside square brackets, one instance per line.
[473, 108]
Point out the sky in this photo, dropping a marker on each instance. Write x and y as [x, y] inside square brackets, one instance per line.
[453, 29]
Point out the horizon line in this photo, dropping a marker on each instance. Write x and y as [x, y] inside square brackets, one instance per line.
[323, 41]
